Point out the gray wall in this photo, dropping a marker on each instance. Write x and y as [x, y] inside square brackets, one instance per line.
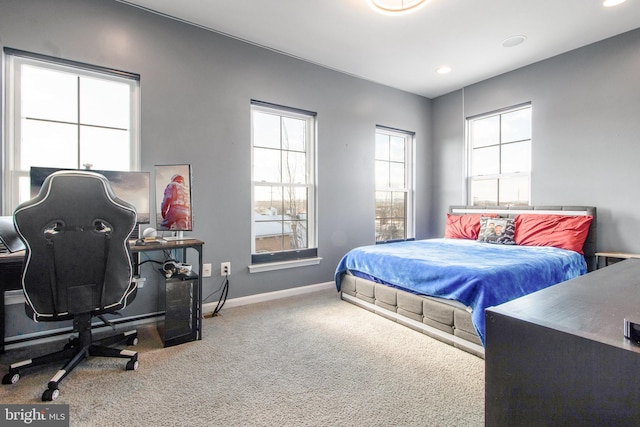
[195, 87]
[586, 135]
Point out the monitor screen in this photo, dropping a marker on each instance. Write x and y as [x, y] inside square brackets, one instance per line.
[173, 197]
[132, 187]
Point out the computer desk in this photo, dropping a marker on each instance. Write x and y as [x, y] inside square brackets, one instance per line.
[10, 275]
[11, 271]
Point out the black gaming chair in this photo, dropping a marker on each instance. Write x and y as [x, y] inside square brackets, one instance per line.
[77, 266]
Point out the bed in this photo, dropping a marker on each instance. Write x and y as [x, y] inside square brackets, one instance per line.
[489, 255]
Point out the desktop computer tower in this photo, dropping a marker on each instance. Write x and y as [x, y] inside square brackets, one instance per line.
[179, 301]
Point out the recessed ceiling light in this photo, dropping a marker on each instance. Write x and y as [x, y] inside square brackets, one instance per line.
[611, 3]
[445, 69]
[513, 41]
[397, 7]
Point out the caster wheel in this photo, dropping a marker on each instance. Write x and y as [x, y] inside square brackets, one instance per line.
[132, 365]
[73, 342]
[50, 395]
[132, 341]
[11, 378]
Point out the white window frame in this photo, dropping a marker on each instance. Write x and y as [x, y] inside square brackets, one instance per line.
[469, 153]
[14, 59]
[288, 258]
[409, 179]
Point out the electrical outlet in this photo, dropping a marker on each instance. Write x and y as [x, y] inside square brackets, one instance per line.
[139, 281]
[225, 268]
[206, 270]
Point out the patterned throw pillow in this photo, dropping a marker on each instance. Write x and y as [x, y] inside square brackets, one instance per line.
[497, 230]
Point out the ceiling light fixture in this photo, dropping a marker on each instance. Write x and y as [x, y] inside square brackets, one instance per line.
[445, 69]
[611, 3]
[513, 41]
[397, 7]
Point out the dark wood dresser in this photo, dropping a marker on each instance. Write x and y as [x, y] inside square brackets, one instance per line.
[559, 356]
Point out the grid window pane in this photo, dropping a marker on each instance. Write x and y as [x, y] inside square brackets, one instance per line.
[295, 218]
[383, 204]
[396, 149]
[48, 94]
[500, 148]
[392, 180]
[382, 174]
[486, 161]
[266, 130]
[267, 202]
[104, 103]
[282, 156]
[295, 235]
[514, 191]
[390, 215]
[293, 134]
[269, 236]
[106, 149]
[516, 126]
[485, 131]
[382, 147]
[516, 157]
[24, 187]
[266, 165]
[48, 144]
[295, 202]
[295, 167]
[398, 204]
[484, 192]
[396, 175]
[52, 100]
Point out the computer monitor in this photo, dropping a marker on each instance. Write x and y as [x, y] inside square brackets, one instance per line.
[132, 187]
[173, 197]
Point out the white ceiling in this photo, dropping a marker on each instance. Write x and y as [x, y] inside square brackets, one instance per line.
[404, 51]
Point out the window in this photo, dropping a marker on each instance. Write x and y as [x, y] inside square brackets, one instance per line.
[394, 185]
[499, 146]
[66, 115]
[283, 177]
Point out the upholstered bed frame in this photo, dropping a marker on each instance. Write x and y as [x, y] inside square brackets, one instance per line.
[448, 321]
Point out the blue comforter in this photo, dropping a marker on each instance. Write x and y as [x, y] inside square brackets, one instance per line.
[479, 275]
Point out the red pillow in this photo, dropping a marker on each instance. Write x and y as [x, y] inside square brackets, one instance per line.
[464, 226]
[560, 231]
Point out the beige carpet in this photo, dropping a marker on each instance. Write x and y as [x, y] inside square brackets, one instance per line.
[310, 360]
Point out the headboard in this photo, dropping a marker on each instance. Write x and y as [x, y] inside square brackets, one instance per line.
[589, 247]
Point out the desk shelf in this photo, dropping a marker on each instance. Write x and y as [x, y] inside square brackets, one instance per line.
[183, 244]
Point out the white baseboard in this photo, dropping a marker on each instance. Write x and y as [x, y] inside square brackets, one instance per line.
[63, 334]
[17, 297]
[268, 296]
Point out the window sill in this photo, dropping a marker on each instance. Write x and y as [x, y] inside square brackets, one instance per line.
[281, 265]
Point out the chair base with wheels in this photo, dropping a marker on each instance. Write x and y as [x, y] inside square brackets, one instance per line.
[76, 350]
